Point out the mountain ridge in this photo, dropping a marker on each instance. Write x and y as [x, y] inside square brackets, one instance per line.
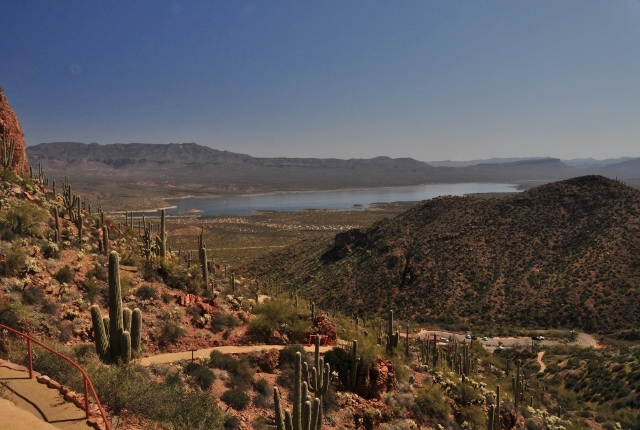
[563, 254]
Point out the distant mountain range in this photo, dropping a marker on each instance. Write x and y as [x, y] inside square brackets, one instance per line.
[189, 168]
[576, 162]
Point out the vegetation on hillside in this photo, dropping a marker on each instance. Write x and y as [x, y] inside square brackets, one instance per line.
[564, 254]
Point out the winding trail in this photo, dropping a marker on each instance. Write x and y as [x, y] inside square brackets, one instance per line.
[542, 365]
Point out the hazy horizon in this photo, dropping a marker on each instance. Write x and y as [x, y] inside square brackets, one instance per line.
[427, 80]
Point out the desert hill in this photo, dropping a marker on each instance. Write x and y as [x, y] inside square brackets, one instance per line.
[565, 254]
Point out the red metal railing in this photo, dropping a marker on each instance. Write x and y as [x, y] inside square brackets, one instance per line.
[87, 381]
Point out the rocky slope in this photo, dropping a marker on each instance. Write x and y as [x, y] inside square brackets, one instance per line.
[564, 254]
[11, 126]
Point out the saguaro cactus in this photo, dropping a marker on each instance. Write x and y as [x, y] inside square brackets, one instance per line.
[162, 238]
[392, 338]
[6, 150]
[112, 334]
[354, 365]
[317, 378]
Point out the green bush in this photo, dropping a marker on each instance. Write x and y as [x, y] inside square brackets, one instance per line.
[170, 333]
[64, 275]
[16, 259]
[202, 376]
[221, 322]
[147, 292]
[26, 218]
[430, 399]
[32, 295]
[262, 387]
[236, 398]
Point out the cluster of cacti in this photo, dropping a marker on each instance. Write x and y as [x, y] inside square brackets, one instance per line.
[317, 378]
[6, 150]
[307, 411]
[40, 178]
[519, 387]
[118, 335]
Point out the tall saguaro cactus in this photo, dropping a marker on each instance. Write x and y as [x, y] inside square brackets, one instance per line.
[118, 335]
[317, 379]
[162, 238]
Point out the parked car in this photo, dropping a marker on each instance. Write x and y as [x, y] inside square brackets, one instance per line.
[485, 338]
[468, 336]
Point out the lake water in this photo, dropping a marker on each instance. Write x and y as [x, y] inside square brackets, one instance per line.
[344, 199]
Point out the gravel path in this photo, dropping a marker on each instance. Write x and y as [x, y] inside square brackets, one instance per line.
[542, 365]
[243, 349]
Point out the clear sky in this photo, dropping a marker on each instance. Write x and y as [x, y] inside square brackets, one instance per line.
[430, 80]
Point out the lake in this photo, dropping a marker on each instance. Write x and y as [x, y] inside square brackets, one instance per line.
[338, 200]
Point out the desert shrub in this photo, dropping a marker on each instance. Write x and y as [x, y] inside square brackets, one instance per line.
[201, 375]
[340, 362]
[51, 250]
[97, 271]
[147, 292]
[299, 330]
[288, 355]
[430, 399]
[64, 275]
[261, 386]
[26, 217]
[9, 316]
[16, 258]
[32, 295]
[220, 322]
[131, 387]
[170, 333]
[240, 370]
[236, 398]
[92, 288]
[231, 422]
[49, 307]
[262, 401]
[261, 327]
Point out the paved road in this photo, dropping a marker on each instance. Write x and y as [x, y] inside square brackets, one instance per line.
[244, 349]
[491, 344]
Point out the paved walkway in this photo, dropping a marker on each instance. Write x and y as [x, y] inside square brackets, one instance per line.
[25, 400]
[244, 349]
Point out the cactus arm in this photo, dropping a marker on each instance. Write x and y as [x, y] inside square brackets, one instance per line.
[125, 347]
[136, 330]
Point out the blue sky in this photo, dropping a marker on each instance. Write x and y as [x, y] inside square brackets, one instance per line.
[430, 80]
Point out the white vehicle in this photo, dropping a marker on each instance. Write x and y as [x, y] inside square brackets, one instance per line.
[485, 338]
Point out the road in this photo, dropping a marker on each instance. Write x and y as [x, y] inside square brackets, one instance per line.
[583, 339]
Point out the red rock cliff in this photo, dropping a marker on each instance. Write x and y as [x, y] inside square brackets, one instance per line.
[9, 122]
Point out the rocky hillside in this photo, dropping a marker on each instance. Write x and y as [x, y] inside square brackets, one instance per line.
[11, 130]
[564, 254]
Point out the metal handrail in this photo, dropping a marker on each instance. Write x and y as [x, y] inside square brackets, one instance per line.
[87, 381]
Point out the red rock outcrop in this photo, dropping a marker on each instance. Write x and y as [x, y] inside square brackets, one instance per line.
[373, 382]
[326, 327]
[10, 124]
